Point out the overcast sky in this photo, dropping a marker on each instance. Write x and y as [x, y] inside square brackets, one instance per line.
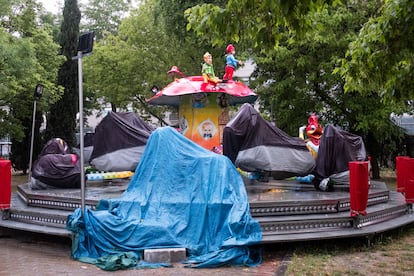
[52, 5]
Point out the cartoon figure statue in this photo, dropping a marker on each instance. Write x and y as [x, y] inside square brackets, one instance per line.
[314, 133]
[183, 125]
[199, 100]
[208, 70]
[175, 73]
[231, 62]
[207, 129]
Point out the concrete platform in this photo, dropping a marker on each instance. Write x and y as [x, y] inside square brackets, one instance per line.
[287, 211]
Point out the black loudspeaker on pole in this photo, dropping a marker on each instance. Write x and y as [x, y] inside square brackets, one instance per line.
[85, 44]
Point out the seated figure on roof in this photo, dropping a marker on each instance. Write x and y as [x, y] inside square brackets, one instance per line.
[207, 69]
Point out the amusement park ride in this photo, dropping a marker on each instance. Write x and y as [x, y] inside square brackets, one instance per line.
[286, 209]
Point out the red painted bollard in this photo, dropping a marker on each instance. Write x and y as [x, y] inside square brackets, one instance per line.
[400, 166]
[358, 187]
[409, 180]
[5, 184]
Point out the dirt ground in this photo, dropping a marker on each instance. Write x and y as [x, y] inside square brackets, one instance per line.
[25, 253]
[388, 254]
[37, 255]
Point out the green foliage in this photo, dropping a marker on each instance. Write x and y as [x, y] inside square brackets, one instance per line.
[104, 16]
[106, 73]
[250, 20]
[4, 7]
[124, 67]
[51, 23]
[16, 65]
[28, 56]
[298, 79]
[380, 60]
[186, 48]
[61, 120]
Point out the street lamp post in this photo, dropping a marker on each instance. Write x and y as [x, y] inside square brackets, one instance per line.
[85, 46]
[37, 95]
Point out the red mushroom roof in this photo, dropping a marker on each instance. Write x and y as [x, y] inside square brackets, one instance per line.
[239, 92]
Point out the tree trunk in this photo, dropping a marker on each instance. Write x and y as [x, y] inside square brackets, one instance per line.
[409, 142]
[375, 169]
[374, 151]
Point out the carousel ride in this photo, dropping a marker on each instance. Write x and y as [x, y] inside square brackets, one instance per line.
[293, 193]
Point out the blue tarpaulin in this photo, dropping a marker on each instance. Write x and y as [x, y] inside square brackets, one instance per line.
[181, 196]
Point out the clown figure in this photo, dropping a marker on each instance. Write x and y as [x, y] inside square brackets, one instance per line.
[231, 62]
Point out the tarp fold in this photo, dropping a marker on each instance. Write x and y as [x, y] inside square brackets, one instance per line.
[181, 195]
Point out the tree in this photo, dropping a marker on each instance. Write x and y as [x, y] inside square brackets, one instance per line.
[47, 64]
[125, 66]
[17, 58]
[380, 60]
[187, 47]
[31, 58]
[299, 80]
[104, 16]
[249, 20]
[61, 120]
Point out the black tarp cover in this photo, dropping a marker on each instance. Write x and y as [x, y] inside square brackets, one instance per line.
[337, 148]
[253, 144]
[55, 146]
[88, 139]
[119, 142]
[55, 167]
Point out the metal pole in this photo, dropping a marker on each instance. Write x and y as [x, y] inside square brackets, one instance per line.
[81, 133]
[32, 141]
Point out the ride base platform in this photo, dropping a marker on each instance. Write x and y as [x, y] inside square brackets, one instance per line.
[286, 210]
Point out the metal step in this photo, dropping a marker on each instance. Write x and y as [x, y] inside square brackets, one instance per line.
[70, 199]
[285, 214]
[277, 198]
[20, 212]
[34, 228]
[316, 223]
[268, 199]
[367, 231]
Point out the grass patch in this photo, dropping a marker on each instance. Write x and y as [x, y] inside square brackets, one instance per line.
[17, 179]
[389, 253]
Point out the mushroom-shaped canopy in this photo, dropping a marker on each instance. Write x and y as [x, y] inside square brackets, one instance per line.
[238, 92]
